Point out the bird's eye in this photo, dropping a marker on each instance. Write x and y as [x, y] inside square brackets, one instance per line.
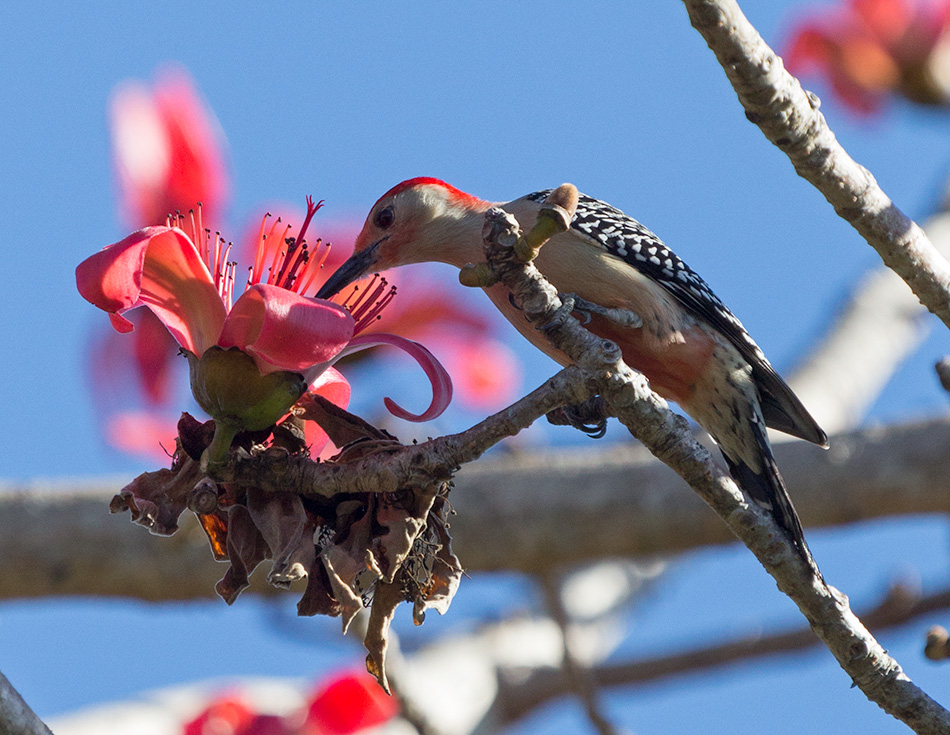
[385, 217]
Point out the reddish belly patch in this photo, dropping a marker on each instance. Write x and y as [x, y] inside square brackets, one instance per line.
[672, 368]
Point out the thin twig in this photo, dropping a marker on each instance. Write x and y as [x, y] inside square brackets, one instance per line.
[577, 675]
[436, 459]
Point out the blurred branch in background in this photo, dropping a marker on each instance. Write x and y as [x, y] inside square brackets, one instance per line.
[880, 326]
[631, 506]
[520, 691]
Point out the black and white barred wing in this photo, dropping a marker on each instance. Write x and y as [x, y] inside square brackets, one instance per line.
[624, 237]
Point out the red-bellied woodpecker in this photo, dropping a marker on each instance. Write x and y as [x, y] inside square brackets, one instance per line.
[689, 345]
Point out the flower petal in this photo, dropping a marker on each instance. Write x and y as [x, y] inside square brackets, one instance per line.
[160, 268]
[438, 377]
[283, 330]
[167, 149]
[349, 703]
[332, 385]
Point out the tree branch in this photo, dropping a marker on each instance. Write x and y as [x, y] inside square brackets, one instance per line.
[629, 397]
[788, 116]
[576, 675]
[519, 694]
[418, 464]
[16, 717]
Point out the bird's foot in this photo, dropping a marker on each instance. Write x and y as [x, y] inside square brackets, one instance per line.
[585, 308]
[562, 313]
[589, 417]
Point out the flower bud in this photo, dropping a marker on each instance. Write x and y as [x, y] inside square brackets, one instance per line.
[228, 385]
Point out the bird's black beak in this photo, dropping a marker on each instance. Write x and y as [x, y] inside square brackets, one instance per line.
[355, 267]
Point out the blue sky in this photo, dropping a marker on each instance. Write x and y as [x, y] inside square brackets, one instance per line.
[344, 100]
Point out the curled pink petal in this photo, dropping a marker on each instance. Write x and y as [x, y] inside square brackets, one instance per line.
[283, 330]
[332, 385]
[121, 324]
[438, 376]
[160, 268]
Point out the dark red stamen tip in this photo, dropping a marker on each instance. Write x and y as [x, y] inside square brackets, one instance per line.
[311, 210]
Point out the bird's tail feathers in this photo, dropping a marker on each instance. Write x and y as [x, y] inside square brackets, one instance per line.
[767, 489]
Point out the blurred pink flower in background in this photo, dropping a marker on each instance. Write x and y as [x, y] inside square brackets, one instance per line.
[344, 704]
[871, 49]
[134, 385]
[169, 155]
[227, 715]
[168, 150]
[348, 703]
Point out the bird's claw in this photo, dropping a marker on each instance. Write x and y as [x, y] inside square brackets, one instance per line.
[566, 308]
[620, 317]
[589, 417]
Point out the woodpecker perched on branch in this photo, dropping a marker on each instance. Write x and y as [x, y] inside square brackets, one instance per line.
[676, 332]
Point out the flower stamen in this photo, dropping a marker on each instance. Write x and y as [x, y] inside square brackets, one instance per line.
[292, 264]
[312, 267]
[288, 265]
[278, 254]
[312, 209]
[255, 274]
[366, 306]
[375, 312]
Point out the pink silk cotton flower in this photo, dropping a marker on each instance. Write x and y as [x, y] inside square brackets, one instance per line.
[273, 323]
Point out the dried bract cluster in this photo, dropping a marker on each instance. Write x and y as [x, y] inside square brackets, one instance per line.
[355, 550]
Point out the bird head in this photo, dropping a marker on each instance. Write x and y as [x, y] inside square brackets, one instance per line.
[420, 220]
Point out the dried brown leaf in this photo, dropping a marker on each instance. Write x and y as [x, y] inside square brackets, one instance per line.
[376, 641]
[403, 516]
[246, 549]
[215, 526]
[156, 499]
[318, 598]
[288, 531]
[340, 425]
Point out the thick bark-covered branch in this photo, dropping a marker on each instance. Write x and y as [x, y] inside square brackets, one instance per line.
[788, 116]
